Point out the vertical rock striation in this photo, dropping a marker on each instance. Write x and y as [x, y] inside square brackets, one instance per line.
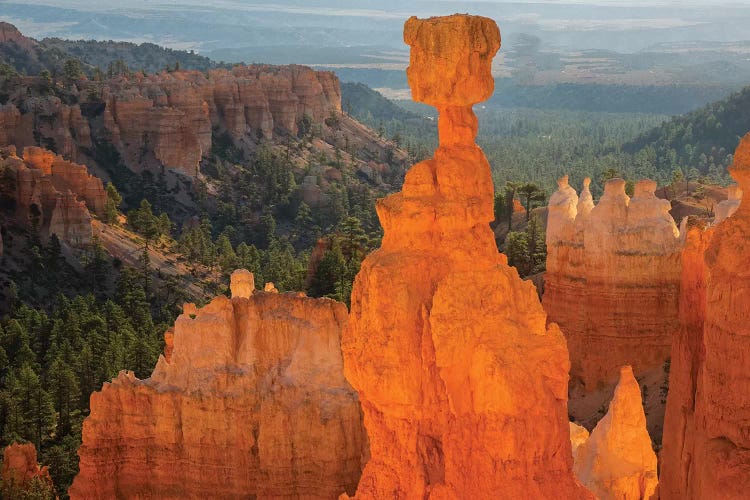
[251, 402]
[612, 281]
[462, 384]
[617, 461]
[170, 117]
[706, 452]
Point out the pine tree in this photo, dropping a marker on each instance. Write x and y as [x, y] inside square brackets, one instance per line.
[65, 392]
[113, 203]
[354, 240]
[36, 406]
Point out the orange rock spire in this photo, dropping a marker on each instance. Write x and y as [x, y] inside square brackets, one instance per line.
[20, 468]
[706, 450]
[462, 385]
[52, 194]
[617, 461]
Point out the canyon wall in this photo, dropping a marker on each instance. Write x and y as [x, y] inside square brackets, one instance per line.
[171, 116]
[463, 384]
[45, 121]
[169, 119]
[251, 402]
[50, 194]
[706, 452]
[612, 280]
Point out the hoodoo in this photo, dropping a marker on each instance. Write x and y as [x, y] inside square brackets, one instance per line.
[20, 470]
[463, 385]
[251, 402]
[613, 278]
[617, 462]
[50, 194]
[706, 450]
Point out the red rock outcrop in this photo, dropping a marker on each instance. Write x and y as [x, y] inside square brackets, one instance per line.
[10, 34]
[612, 281]
[52, 195]
[616, 461]
[171, 115]
[68, 176]
[252, 403]
[20, 467]
[706, 451]
[463, 385]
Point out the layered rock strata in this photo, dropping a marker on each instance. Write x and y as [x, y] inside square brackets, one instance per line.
[170, 119]
[250, 403]
[706, 453]
[616, 461]
[52, 195]
[462, 383]
[613, 277]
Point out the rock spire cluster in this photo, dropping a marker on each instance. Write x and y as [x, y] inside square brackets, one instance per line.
[250, 402]
[613, 278]
[616, 461]
[463, 384]
[52, 195]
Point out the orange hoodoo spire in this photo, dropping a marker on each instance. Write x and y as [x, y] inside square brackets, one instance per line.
[462, 385]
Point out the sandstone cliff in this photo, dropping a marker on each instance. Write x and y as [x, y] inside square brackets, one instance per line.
[463, 386]
[706, 452]
[617, 462]
[612, 281]
[170, 117]
[50, 194]
[20, 469]
[251, 402]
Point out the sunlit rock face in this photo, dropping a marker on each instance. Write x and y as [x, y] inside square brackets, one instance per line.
[462, 383]
[616, 461]
[706, 452]
[170, 117]
[613, 277]
[20, 468]
[52, 195]
[728, 207]
[252, 403]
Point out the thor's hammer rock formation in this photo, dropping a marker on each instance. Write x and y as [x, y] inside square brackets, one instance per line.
[463, 385]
